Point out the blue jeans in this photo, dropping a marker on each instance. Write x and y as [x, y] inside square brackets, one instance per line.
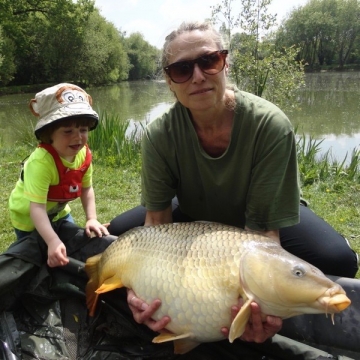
[21, 234]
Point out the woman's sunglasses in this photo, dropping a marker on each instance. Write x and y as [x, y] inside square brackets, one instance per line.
[210, 64]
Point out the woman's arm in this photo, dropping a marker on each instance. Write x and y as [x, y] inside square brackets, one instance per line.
[159, 217]
[270, 233]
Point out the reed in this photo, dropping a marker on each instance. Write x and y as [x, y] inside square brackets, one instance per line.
[314, 167]
[115, 142]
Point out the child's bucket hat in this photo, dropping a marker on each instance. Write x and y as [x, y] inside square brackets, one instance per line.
[60, 102]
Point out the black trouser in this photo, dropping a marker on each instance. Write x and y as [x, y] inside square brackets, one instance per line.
[312, 240]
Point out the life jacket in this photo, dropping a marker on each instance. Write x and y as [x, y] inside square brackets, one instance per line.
[70, 180]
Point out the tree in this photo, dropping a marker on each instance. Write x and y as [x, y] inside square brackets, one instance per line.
[325, 31]
[7, 66]
[48, 41]
[143, 57]
[256, 66]
[347, 29]
[102, 58]
[47, 36]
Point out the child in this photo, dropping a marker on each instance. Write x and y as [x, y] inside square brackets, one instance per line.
[58, 170]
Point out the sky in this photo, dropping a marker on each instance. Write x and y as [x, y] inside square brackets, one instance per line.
[157, 18]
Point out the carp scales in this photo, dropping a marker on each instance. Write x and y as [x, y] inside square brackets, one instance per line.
[199, 270]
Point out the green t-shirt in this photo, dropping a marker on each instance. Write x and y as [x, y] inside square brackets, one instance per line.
[254, 183]
[39, 173]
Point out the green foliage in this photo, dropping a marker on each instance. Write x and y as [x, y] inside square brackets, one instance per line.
[326, 32]
[143, 57]
[103, 59]
[338, 203]
[45, 49]
[8, 68]
[9, 171]
[7, 65]
[314, 168]
[114, 143]
[48, 41]
[256, 65]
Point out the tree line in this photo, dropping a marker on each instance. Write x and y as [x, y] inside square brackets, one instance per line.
[326, 32]
[47, 41]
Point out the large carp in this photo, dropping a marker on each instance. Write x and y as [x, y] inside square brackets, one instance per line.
[200, 269]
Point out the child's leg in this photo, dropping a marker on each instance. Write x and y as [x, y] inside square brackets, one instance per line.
[21, 234]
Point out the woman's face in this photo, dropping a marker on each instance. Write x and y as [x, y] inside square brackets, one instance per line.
[201, 91]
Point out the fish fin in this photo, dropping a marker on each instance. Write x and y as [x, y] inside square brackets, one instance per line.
[109, 284]
[169, 336]
[182, 344]
[91, 269]
[238, 325]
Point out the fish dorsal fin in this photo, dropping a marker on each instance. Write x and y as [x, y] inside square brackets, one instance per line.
[109, 284]
[239, 323]
[182, 343]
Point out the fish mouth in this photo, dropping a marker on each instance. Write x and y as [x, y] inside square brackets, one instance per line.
[335, 304]
[340, 302]
[334, 300]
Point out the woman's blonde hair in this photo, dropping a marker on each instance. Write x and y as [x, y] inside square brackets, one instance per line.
[188, 27]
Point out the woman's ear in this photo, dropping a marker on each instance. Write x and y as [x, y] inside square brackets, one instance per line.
[168, 81]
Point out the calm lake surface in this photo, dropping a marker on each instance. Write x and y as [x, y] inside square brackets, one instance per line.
[329, 109]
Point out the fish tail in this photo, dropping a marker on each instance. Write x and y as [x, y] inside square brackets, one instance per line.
[91, 268]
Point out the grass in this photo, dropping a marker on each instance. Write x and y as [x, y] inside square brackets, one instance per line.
[331, 187]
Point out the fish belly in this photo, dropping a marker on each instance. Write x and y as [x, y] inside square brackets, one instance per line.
[195, 275]
[197, 299]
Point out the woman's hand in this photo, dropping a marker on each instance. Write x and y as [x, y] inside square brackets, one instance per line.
[143, 312]
[256, 329]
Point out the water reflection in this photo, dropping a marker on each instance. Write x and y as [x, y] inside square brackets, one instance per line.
[136, 101]
[329, 109]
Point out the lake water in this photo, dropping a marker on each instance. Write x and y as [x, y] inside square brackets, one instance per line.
[329, 109]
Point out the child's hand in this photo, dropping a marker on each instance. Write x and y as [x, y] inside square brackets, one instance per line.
[57, 253]
[94, 226]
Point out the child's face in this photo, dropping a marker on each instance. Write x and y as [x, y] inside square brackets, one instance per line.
[69, 140]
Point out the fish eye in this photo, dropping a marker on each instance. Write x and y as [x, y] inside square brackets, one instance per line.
[299, 271]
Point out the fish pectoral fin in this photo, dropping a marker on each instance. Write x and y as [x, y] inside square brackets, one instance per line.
[182, 343]
[168, 336]
[109, 284]
[238, 325]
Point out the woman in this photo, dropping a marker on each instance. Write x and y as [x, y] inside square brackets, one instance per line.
[228, 156]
